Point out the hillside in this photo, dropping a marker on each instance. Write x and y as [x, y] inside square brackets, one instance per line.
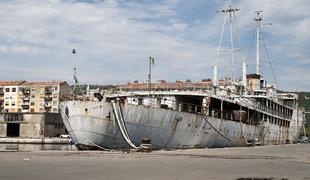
[304, 101]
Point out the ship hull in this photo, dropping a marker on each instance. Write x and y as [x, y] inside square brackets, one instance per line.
[92, 126]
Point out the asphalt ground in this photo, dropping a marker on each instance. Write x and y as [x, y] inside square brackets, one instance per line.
[260, 162]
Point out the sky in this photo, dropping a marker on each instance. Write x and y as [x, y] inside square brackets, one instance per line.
[114, 39]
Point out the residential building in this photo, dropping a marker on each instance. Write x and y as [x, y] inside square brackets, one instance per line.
[9, 95]
[42, 96]
[31, 109]
[22, 96]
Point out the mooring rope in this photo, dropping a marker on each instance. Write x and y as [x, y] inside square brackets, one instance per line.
[121, 124]
[216, 130]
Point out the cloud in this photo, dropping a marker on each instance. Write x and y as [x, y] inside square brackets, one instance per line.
[115, 38]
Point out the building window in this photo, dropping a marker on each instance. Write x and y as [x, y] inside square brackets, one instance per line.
[13, 117]
[7, 89]
[32, 103]
[13, 89]
[54, 103]
[12, 103]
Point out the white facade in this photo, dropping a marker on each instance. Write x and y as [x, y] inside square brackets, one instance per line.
[10, 98]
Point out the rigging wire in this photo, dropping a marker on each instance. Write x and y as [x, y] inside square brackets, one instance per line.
[251, 46]
[269, 59]
[238, 34]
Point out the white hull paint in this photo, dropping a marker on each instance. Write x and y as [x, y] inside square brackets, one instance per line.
[92, 126]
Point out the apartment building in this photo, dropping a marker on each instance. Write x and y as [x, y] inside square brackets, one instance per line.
[42, 96]
[9, 95]
[31, 109]
[22, 96]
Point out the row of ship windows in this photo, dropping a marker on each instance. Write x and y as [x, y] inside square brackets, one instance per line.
[274, 108]
[274, 120]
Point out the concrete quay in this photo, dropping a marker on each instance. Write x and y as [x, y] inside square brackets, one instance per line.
[35, 140]
[260, 162]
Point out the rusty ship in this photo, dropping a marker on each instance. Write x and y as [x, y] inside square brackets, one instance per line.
[182, 115]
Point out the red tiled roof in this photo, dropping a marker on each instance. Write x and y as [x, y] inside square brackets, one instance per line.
[44, 83]
[11, 83]
[22, 82]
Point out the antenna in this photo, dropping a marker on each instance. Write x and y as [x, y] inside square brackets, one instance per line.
[231, 11]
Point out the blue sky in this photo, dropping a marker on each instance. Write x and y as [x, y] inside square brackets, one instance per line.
[114, 39]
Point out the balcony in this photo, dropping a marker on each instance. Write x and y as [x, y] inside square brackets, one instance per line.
[47, 105]
[25, 106]
[48, 91]
[26, 103]
[26, 91]
[48, 98]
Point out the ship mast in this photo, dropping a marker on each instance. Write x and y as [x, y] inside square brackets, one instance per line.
[151, 62]
[258, 20]
[74, 74]
[231, 11]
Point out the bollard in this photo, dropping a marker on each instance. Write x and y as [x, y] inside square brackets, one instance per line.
[146, 145]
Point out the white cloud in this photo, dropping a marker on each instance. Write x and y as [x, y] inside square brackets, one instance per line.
[114, 38]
